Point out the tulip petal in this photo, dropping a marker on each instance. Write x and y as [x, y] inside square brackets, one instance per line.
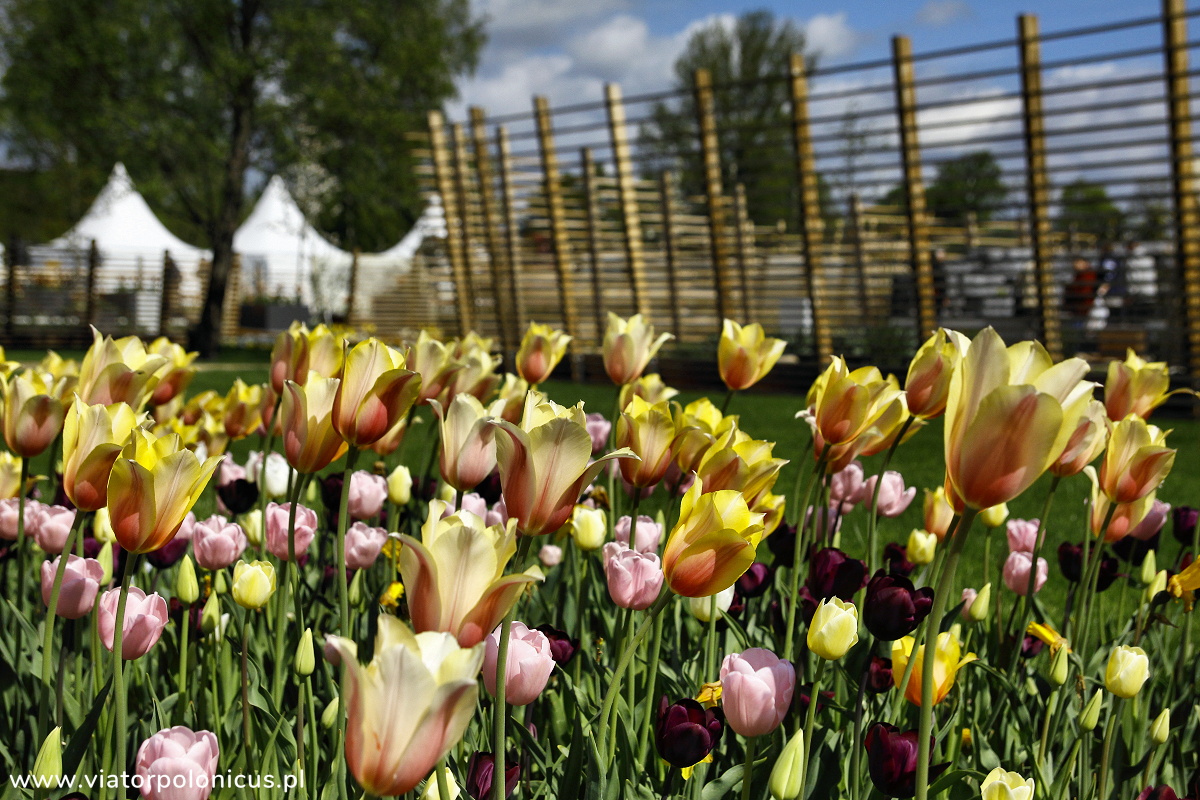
[419, 570]
[496, 601]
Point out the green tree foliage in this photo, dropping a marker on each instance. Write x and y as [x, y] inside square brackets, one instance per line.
[199, 96]
[970, 183]
[1085, 207]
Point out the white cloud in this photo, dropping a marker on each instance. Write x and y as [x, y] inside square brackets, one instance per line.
[830, 36]
[534, 23]
[943, 12]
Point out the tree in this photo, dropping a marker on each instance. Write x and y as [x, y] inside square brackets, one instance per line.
[1085, 207]
[970, 183]
[751, 103]
[195, 96]
[1149, 217]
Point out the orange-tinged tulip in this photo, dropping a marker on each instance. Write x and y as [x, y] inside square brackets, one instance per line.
[468, 441]
[1087, 441]
[1136, 461]
[512, 394]
[928, 383]
[33, 411]
[697, 426]
[477, 377]
[746, 354]
[541, 350]
[939, 514]
[324, 352]
[388, 443]
[887, 426]
[544, 463]
[153, 485]
[948, 660]
[1125, 516]
[434, 362]
[712, 544]
[647, 430]
[460, 347]
[1136, 386]
[771, 506]
[735, 461]
[243, 409]
[1009, 416]
[629, 344]
[289, 356]
[176, 374]
[454, 575]
[376, 392]
[408, 707]
[55, 364]
[118, 371]
[845, 403]
[648, 387]
[309, 439]
[93, 436]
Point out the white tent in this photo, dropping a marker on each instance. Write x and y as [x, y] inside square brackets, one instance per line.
[284, 256]
[379, 273]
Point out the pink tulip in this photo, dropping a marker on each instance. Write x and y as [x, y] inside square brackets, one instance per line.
[756, 691]
[363, 544]
[1022, 535]
[187, 528]
[529, 664]
[634, 579]
[968, 597]
[550, 555]
[217, 542]
[845, 487]
[473, 502]
[366, 496]
[277, 529]
[50, 526]
[498, 515]
[80, 583]
[8, 517]
[1151, 523]
[827, 524]
[646, 537]
[1016, 572]
[893, 498]
[229, 471]
[145, 618]
[598, 428]
[177, 764]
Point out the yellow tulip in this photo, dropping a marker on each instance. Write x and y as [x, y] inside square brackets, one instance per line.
[176, 374]
[324, 352]
[771, 506]
[306, 414]
[746, 354]
[1160, 729]
[541, 349]
[33, 411]
[1088, 440]
[712, 544]
[289, 356]
[153, 485]
[939, 514]
[52, 362]
[735, 461]
[399, 483]
[845, 402]
[928, 383]
[118, 371]
[994, 517]
[243, 409]
[477, 377]
[253, 584]
[454, 575]
[1050, 637]
[10, 475]
[921, 546]
[512, 397]
[1124, 516]
[982, 604]
[834, 629]
[1002, 785]
[697, 426]
[434, 362]
[93, 436]
[1128, 669]
[467, 453]
[1009, 416]
[629, 344]
[1136, 461]
[376, 392]
[948, 660]
[646, 430]
[787, 776]
[1136, 386]
[589, 527]
[8, 367]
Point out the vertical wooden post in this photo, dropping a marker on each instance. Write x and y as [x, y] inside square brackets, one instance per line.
[627, 191]
[810, 206]
[741, 222]
[352, 286]
[591, 221]
[666, 191]
[914, 187]
[560, 239]
[231, 312]
[512, 234]
[444, 177]
[857, 244]
[1038, 182]
[462, 189]
[169, 290]
[10, 286]
[710, 155]
[491, 227]
[93, 263]
[1183, 175]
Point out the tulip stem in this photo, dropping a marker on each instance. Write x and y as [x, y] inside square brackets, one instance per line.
[343, 591]
[932, 629]
[810, 716]
[1091, 578]
[500, 712]
[798, 550]
[284, 597]
[729, 393]
[51, 618]
[1113, 713]
[119, 764]
[614, 685]
[443, 786]
[710, 642]
[856, 757]
[748, 770]
[247, 728]
[22, 548]
[651, 686]
[1051, 706]
[873, 516]
[185, 619]
[262, 467]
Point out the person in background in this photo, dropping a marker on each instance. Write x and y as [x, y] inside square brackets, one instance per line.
[1141, 274]
[1080, 292]
[1114, 282]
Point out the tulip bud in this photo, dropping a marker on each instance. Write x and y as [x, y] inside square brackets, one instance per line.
[210, 615]
[356, 590]
[106, 563]
[834, 629]
[994, 516]
[979, 609]
[588, 527]
[787, 776]
[921, 547]
[700, 607]
[47, 768]
[431, 791]
[253, 584]
[1059, 662]
[1160, 729]
[1149, 568]
[186, 587]
[330, 714]
[252, 526]
[399, 484]
[220, 584]
[1089, 717]
[1031, 687]
[102, 526]
[306, 659]
[1158, 584]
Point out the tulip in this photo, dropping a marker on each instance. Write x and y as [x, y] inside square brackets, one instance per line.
[756, 691]
[892, 499]
[481, 771]
[10, 475]
[253, 584]
[277, 475]
[735, 461]
[1087, 441]
[648, 387]
[846, 403]
[1183, 523]
[81, 580]
[1160, 729]
[939, 514]
[834, 629]
[366, 495]
[399, 485]
[598, 428]
[145, 618]
[921, 547]
[527, 669]
[363, 545]
[544, 464]
[893, 607]
[47, 767]
[1136, 461]
[289, 356]
[177, 757]
[712, 544]
[948, 660]
[1016, 405]
[434, 362]
[701, 607]
[1089, 716]
[92, 439]
[49, 525]
[846, 488]
[1002, 785]
[787, 776]
[892, 760]
[152, 488]
[1135, 386]
[118, 371]
[277, 529]
[755, 581]
[408, 707]
[686, 732]
[309, 438]
[1021, 535]
[1162, 792]
[647, 431]
[646, 535]
[550, 555]
[745, 354]
[629, 344]
[472, 502]
[927, 385]
[562, 646]
[1152, 523]
[588, 527]
[1128, 669]
[477, 377]
[375, 392]
[1070, 562]
[895, 558]
[468, 441]
[33, 411]
[187, 589]
[879, 676]
[541, 349]
[1016, 572]
[455, 575]
[243, 409]
[994, 516]
[834, 574]
[252, 524]
[977, 604]
[634, 579]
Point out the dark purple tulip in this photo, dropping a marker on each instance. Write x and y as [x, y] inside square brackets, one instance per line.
[480, 769]
[489, 489]
[176, 607]
[879, 676]
[92, 548]
[1070, 561]
[832, 573]
[808, 604]
[1031, 646]
[1183, 523]
[1134, 550]
[754, 581]
[562, 646]
[893, 607]
[686, 731]
[169, 554]
[736, 606]
[895, 556]
[1163, 792]
[331, 491]
[804, 696]
[239, 496]
[892, 760]
[782, 544]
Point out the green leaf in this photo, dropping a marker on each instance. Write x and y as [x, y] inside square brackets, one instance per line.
[76, 748]
[716, 789]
